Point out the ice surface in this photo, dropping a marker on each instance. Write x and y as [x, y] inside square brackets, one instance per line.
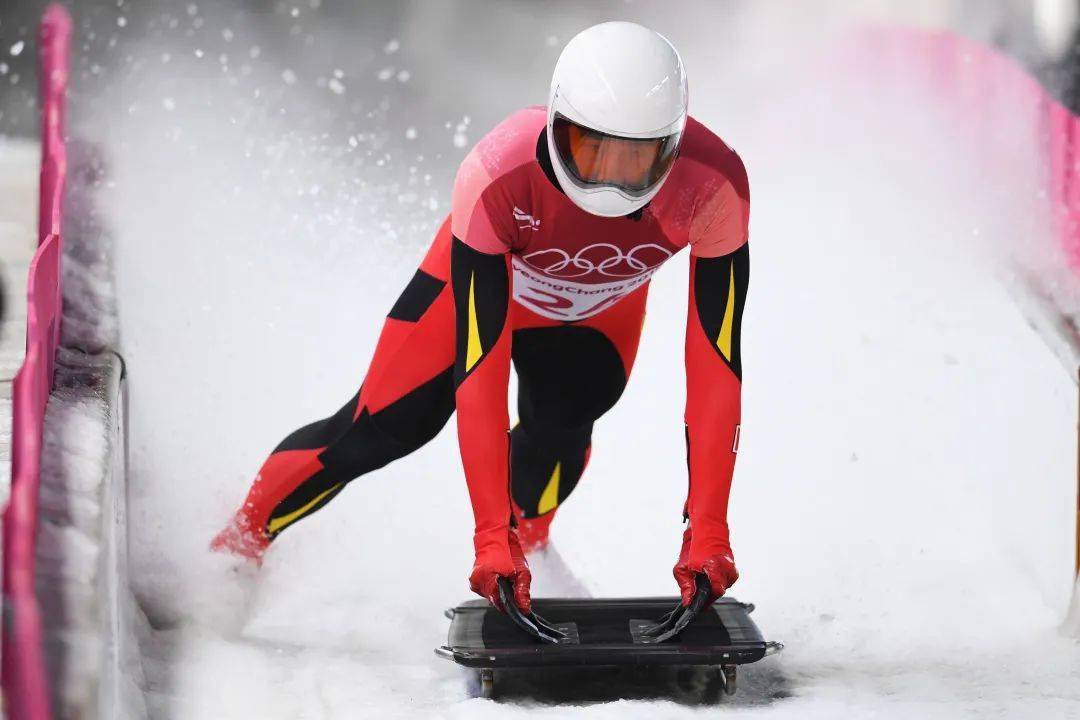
[903, 508]
[75, 453]
[1072, 622]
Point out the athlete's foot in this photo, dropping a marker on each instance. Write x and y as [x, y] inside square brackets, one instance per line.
[238, 539]
[533, 532]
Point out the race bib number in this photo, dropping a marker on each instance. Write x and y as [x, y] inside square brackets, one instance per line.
[567, 300]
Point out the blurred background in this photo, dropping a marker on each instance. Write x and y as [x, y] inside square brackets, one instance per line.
[312, 36]
[360, 67]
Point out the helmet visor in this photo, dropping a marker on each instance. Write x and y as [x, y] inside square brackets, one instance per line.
[596, 158]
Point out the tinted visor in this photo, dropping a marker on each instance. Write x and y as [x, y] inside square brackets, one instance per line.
[596, 158]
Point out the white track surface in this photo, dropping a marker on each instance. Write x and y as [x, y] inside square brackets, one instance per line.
[903, 504]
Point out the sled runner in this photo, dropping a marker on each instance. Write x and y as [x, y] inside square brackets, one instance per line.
[605, 631]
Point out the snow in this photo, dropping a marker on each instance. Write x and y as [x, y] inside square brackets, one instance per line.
[903, 507]
[90, 321]
[76, 549]
[1072, 622]
[75, 461]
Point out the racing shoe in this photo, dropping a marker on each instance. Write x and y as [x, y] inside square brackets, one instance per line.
[239, 539]
[533, 533]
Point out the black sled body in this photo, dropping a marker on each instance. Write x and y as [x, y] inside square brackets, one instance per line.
[604, 632]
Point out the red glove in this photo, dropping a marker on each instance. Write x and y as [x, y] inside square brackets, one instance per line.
[716, 563]
[507, 561]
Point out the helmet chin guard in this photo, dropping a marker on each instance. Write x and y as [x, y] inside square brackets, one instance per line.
[616, 112]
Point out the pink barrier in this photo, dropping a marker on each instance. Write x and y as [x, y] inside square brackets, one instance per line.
[22, 675]
[1062, 131]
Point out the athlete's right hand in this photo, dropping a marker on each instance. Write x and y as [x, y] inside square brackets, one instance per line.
[495, 560]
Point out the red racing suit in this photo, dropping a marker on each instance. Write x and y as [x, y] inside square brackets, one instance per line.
[568, 265]
[521, 274]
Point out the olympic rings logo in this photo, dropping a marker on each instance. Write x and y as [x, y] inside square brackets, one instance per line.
[604, 258]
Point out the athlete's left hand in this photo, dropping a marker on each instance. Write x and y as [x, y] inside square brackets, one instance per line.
[704, 574]
[716, 564]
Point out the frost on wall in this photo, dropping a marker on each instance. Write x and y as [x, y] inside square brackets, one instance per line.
[91, 619]
[90, 318]
[75, 451]
[90, 616]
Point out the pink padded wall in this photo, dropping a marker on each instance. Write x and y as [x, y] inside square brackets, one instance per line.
[25, 685]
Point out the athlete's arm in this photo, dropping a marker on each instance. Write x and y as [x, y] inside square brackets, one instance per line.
[713, 412]
[719, 274]
[481, 287]
[480, 282]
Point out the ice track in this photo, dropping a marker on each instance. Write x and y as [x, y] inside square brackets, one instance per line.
[901, 511]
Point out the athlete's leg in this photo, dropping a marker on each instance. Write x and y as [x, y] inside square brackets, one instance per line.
[406, 398]
[568, 376]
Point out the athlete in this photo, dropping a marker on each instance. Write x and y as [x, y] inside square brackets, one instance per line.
[560, 216]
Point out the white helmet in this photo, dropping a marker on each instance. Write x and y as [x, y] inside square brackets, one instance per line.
[616, 114]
